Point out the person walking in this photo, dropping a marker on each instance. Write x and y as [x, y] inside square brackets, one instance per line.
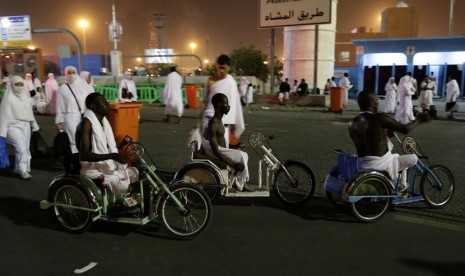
[16, 122]
[404, 112]
[70, 108]
[390, 102]
[51, 91]
[88, 81]
[127, 91]
[224, 83]
[284, 90]
[452, 92]
[172, 95]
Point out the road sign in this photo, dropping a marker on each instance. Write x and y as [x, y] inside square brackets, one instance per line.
[15, 31]
[280, 13]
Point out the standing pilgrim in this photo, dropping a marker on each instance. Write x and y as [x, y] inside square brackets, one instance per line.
[29, 86]
[390, 101]
[69, 109]
[404, 112]
[127, 89]
[16, 122]
[86, 77]
[172, 95]
[224, 83]
[452, 92]
[51, 91]
[344, 82]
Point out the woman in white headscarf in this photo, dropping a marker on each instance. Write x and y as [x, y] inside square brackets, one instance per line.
[16, 122]
[127, 89]
[51, 91]
[70, 105]
[390, 102]
[30, 87]
[86, 77]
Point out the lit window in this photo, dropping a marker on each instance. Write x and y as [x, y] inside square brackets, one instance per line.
[344, 56]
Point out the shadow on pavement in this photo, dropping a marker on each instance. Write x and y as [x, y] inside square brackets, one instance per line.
[437, 268]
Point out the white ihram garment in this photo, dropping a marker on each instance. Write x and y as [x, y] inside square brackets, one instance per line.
[392, 163]
[235, 155]
[16, 121]
[172, 95]
[228, 87]
[345, 84]
[128, 83]
[116, 176]
[452, 91]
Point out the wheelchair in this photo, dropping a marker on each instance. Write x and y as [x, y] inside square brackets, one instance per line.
[183, 209]
[291, 182]
[370, 194]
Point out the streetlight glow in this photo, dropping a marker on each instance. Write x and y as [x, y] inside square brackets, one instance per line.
[83, 23]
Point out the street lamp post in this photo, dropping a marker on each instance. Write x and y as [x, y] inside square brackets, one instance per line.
[83, 24]
[193, 45]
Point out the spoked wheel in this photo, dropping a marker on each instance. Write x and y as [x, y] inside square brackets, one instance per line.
[187, 223]
[375, 205]
[205, 176]
[294, 183]
[70, 216]
[437, 194]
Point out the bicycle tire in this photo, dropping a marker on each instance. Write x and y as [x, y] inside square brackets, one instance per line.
[72, 220]
[435, 196]
[369, 209]
[294, 193]
[196, 218]
[202, 174]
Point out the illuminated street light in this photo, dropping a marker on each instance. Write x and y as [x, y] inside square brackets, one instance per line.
[206, 61]
[192, 45]
[83, 24]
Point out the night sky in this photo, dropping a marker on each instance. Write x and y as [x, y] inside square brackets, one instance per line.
[225, 24]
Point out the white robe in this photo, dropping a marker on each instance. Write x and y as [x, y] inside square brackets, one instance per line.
[68, 113]
[228, 87]
[116, 176]
[404, 112]
[235, 155]
[390, 102]
[88, 86]
[426, 94]
[392, 163]
[452, 91]
[345, 84]
[249, 95]
[172, 95]
[16, 121]
[51, 91]
[131, 86]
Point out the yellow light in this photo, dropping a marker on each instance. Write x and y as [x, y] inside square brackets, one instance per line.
[83, 23]
[193, 45]
[31, 47]
[139, 59]
[206, 61]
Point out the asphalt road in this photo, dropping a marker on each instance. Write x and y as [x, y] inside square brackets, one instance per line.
[247, 236]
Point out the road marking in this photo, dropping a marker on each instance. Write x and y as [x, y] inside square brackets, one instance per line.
[86, 268]
[433, 223]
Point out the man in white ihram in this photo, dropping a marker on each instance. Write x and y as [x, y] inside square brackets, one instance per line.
[225, 84]
[344, 82]
[172, 95]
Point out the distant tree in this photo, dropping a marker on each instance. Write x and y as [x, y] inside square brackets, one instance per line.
[249, 61]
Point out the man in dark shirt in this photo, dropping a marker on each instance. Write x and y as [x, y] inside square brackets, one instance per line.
[284, 90]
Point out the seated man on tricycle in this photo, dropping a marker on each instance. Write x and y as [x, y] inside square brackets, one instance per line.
[214, 143]
[99, 155]
[370, 132]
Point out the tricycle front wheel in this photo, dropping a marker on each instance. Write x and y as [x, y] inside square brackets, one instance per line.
[294, 183]
[186, 212]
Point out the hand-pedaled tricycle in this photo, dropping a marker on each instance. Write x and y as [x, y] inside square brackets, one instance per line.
[293, 182]
[184, 209]
[369, 194]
